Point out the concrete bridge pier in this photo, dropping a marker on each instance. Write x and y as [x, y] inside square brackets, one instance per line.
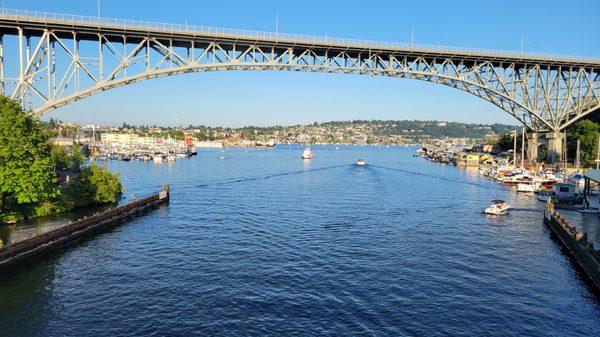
[533, 143]
[552, 140]
[555, 146]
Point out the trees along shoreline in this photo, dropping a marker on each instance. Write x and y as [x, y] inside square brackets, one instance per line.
[586, 131]
[29, 184]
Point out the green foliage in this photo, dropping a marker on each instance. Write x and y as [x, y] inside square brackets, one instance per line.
[586, 131]
[507, 142]
[68, 158]
[28, 186]
[94, 185]
[542, 153]
[26, 175]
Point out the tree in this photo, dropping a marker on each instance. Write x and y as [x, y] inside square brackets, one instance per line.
[65, 158]
[95, 185]
[26, 174]
[586, 131]
[507, 142]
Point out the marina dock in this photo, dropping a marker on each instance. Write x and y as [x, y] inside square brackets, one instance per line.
[79, 229]
[575, 243]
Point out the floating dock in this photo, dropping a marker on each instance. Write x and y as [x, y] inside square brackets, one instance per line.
[575, 243]
[79, 229]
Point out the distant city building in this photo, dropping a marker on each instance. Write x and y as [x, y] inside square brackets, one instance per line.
[129, 138]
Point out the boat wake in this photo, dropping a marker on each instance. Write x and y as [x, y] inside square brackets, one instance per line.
[269, 176]
[526, 210]
[439, 177]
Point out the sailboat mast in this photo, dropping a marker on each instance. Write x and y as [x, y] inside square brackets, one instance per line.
[515, 148]
[598, 153]
[577, 159]
[565, 162]
[523, 149]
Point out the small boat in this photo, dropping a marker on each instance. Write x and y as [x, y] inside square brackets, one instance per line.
[222, 157]
[171, 158]
[361, 162]
[126, 158]
[544, 195]
[157, 159]
[308, 153]
[498, 207]
[527, 188]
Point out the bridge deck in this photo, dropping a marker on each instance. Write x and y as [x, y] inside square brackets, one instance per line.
[87, 28]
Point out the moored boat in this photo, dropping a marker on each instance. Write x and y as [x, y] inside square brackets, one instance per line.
[361, 162]
[527, 188]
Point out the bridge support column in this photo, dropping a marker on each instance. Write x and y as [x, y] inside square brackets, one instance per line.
[533, 143]
[555, 146]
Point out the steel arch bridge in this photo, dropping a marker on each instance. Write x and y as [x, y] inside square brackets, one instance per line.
[58, 59]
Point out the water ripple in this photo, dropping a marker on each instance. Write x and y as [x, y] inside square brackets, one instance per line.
[264, 243]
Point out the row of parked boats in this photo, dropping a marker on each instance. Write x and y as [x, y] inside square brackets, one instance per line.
[157, 157]
[565, 188]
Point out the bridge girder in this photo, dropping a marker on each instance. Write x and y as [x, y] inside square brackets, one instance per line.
[542, 96]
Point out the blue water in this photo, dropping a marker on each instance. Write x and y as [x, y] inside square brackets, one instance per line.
[263, 243]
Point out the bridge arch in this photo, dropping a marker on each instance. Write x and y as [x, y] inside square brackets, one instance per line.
[545, 93]
[461, 84]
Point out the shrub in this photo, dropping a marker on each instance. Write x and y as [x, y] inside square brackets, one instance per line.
[94, 185]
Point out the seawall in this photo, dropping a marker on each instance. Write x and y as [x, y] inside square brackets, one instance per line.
[79, 229]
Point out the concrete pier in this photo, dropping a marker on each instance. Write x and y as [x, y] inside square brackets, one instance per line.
[585, 255]
[555, 146]
[553, 141]
[533, 144]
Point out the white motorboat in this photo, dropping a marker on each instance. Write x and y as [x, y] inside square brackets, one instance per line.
[544, 195]
[308, 153]
[361, 162]
[171, 158]
[222, 157]
[157, 159]
[527, 188]
[498, 207]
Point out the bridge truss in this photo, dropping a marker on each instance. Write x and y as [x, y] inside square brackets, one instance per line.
[59, 60]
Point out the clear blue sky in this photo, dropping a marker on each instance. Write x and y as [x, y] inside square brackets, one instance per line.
[267, 98]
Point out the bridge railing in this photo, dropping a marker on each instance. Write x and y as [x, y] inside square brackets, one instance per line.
[171, 28]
